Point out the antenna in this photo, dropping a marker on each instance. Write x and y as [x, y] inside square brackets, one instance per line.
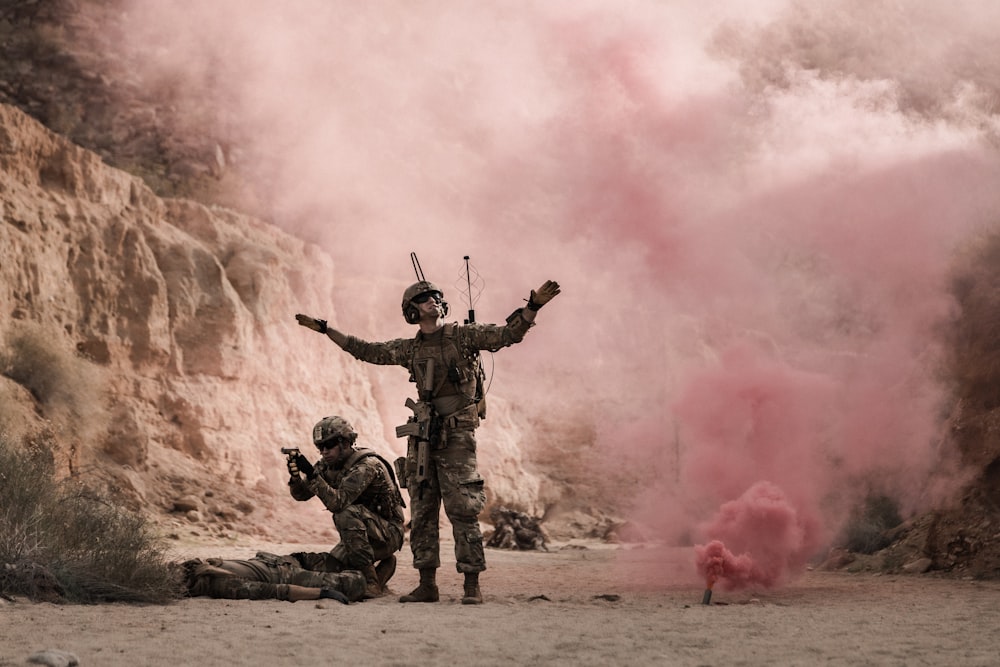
[468, 279]
[416, 267]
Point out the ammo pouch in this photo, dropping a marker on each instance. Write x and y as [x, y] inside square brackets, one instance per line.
[465, 419]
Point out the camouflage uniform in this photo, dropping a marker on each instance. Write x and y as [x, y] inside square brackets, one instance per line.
[452, 476]
[366, 505]
[267, 577]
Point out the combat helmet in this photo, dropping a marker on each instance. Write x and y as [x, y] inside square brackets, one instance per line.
[329, 428]
[410, 311]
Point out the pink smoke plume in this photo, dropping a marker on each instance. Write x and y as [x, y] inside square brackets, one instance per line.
[717, 563]
[752, 208]
[773, 541]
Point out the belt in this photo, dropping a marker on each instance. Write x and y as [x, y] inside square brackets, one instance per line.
[451, 421]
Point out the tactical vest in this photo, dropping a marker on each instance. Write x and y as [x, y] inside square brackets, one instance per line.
[454, 370]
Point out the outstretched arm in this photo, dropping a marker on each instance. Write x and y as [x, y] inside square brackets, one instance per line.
[492, 337]
[396, 352]
[322, 327]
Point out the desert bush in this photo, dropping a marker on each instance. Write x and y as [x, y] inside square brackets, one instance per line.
[69, 388]
[17, 415]
[59, 541]
[867, 531]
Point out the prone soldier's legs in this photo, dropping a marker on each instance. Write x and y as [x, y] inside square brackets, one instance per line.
[235, 588]
[349, 582]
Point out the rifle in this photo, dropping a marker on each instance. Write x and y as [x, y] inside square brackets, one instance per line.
[421, 426]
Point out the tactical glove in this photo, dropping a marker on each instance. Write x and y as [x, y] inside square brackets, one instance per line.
[543, 295]
[331, 594]
[311, 323]
[302, 463]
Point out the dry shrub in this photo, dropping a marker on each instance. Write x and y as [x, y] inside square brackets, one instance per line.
[868, 529]
[59, 541]
[70, 389]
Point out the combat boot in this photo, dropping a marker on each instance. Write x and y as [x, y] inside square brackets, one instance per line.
[385, 569]
[427, 591]
[373, 589]
[472, 593]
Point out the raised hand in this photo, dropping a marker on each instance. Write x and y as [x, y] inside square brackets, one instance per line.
[311, 323]
[543, 294]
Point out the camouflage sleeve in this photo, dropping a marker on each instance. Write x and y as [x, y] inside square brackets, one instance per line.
[352, 485]
[299, 488]
[492, 337]
[390, 353]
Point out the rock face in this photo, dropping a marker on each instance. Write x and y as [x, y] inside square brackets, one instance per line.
[185, 314]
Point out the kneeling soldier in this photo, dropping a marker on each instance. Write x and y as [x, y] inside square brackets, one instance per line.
[359, 488]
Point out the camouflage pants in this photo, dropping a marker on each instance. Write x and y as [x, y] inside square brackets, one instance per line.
[452, 480]
[265, 577]
[365, 537]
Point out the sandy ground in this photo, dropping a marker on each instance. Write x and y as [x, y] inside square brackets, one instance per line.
[573, 606]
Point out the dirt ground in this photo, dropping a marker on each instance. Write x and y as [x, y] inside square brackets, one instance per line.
[580, 604]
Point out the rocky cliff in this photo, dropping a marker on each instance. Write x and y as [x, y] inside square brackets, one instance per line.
[166, 326]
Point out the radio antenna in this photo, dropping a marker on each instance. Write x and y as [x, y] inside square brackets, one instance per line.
[416, 267]
[470, 279]
[471, 285]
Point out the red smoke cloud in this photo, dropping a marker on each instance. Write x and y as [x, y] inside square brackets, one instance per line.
[752, 229]
[772, 539]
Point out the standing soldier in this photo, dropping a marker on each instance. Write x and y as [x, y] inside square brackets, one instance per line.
[359, 488]
[443, 360]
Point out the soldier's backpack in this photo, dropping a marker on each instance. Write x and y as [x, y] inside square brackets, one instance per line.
[365, 453]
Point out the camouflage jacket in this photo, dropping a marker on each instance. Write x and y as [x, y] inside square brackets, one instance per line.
[451, 354]
[364, 480]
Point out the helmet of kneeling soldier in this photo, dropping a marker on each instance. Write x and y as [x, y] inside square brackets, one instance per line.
[331, 428]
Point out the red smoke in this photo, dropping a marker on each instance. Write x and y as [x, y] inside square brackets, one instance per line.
[716, 563]
[772, 540]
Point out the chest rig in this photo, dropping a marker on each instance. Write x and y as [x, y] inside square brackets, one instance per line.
[442, 369]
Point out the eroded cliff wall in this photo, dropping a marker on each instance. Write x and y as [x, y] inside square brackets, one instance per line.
[181, 316]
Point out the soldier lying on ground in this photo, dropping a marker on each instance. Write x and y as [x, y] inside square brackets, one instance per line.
[297, 576]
